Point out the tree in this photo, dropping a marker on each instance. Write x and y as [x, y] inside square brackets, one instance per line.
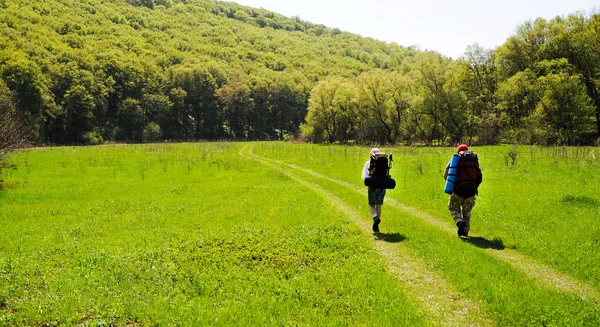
[81, 104]
[131, 120]
[590, 41]
[181, 124]
[79, 107]
[201, 101]
[578, 41]
[26, 80]
[522, 50]
[478, 79]
[377, 107]
[321, 116]
[152, 132]
[13, 133]
[564, 113]
[258, 119]
[157, 108]
[235, 100]
[288, 107]
[346, 102]
[142, 3]
[517, 100]
[331, 111]
[442, 100]
[403, 100]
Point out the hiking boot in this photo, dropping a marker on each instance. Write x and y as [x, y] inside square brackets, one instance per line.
[376, 222]
[461, 228]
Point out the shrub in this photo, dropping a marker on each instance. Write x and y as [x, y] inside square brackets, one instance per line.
[92, 138]
[151, 132]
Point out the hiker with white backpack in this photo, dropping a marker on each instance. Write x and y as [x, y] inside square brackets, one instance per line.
[376, 175]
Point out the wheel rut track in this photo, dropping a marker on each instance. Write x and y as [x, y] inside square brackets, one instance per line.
[540, 272]
[441, 303]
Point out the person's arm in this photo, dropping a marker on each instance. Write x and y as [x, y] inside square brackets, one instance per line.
[365, 171]
[446, 171]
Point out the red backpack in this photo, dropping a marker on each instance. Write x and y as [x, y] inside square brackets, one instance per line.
[469, 175]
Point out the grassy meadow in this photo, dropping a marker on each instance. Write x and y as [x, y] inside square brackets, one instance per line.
[278, 234]
[546, 204]
[187, 234]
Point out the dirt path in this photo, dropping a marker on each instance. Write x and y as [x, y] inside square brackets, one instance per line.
[443, 305]
[540, 272]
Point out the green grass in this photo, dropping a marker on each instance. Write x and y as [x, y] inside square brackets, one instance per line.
[506, 294]
[545, 206]
[188, 234]
[195, 234]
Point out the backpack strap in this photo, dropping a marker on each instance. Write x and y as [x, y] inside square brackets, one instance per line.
[372, 166]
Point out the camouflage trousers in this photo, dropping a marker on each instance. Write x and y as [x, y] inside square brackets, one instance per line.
[460, 208]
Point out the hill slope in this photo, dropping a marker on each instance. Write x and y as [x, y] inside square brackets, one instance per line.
[84, 71]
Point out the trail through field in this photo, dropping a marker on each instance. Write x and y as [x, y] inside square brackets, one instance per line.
[439, 300]
[540, 272]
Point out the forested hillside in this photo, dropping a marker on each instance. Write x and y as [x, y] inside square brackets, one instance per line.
[87, 71]
[90, 71]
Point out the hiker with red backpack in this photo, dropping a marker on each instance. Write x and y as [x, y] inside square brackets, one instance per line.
[376, 175]
[463, 177]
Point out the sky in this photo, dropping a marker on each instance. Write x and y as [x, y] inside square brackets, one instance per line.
[447, 27]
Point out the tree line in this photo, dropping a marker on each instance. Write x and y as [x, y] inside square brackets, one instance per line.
[91, 71]
[540, 87]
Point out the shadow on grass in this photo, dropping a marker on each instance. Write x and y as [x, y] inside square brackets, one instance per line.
[480, 242]
[581, 200]
[390, 238]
